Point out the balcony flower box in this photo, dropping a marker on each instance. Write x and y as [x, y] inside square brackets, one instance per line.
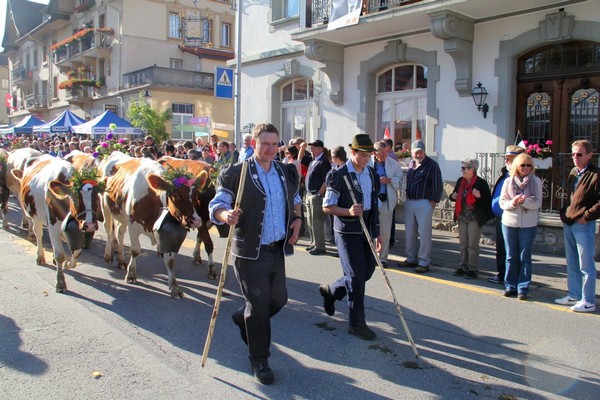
[543, 163]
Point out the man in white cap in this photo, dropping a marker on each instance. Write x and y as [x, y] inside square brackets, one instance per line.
[423, 191]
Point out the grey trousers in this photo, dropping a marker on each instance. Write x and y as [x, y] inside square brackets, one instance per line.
[468, 236]
[418, 224]
[315, 220]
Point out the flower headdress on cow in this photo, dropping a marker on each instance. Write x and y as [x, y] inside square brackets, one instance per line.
[86, 176]
[109, 145]
[178, 177]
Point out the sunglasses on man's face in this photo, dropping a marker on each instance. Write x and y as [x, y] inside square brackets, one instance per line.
[577, 155]
[465, 168]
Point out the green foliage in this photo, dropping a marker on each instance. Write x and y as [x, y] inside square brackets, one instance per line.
[142, 115]
[84, 176]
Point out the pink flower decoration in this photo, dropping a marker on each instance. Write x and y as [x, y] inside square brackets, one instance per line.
[525, 142]
[549, 142]
[122, 141]
[105, 145]
[179, 182]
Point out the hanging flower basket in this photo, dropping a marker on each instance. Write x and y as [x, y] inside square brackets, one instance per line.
[543, 163]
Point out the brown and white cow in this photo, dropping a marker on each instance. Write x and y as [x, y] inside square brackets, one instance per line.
[135, 196]
[49, 197]
[202, 196]
[17, 160]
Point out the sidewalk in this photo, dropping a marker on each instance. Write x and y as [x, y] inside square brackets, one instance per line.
[549, 272]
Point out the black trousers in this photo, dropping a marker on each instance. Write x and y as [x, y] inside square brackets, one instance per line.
[263, 286]
[358, 265]
[500, 249]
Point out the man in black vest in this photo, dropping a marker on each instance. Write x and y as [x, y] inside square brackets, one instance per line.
[356, 256]
[267, 224]
[315, 189]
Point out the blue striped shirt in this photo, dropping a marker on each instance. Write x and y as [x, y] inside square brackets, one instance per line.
[424, 182]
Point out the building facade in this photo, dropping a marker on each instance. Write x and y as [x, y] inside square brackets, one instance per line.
[93, 55]
[409, 67]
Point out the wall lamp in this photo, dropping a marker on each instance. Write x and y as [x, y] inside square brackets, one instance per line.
[479, 95]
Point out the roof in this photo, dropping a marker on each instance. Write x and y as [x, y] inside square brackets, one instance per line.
[101, 125]
[22, 17]
[208, 53]
[61, 124]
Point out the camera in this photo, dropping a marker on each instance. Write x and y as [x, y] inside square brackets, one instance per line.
[382, 197]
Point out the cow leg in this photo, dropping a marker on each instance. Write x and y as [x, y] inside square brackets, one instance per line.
[173, 285]
[59, 256]
[38, 229]
[209, 247]
[4, 214]
[134, 237]
[196, 254]
[121, 228]
[109, 228]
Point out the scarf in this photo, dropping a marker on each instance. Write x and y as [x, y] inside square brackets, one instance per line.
[519, 185]
[465, 185]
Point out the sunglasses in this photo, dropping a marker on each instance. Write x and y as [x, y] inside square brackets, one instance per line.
[525, 165]
[465, 168]
[576, 154]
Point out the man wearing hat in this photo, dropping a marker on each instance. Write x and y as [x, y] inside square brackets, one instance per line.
[357, 258]
[511, 152]
[423, 192]
[315, 189]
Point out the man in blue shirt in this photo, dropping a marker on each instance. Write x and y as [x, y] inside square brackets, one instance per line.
[267, 224]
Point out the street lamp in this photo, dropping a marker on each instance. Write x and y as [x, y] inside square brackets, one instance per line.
[121, 106]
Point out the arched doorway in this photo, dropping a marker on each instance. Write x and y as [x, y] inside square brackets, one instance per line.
[558, 100]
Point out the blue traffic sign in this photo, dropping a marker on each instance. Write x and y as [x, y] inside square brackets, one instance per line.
[224, 83]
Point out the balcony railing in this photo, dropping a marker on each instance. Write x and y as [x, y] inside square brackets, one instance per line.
[21, 73]
[554, 179]
[37, 101]
[321, 9]
[94, 40]
[170, 77]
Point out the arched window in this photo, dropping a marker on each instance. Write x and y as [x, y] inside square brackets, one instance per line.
[402, 104]
[296, 109]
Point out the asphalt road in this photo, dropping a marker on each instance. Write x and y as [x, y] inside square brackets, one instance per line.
[106, 339]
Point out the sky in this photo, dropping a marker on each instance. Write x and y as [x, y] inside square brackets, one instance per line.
[3, 15]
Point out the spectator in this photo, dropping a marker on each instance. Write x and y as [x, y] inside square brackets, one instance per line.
[315, 189]
[579, 216]
[521, 199]
[511, 153]
[423, 192]
[473, 202]
[247, 149]
[390, 178]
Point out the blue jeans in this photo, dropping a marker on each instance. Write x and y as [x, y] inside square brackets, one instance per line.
[518, 243]
[581, 266]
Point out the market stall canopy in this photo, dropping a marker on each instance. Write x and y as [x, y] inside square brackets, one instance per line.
[100, 126]
[62, 124]
[24, 126]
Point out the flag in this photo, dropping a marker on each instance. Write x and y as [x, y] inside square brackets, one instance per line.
[386, 134]
[9, 101]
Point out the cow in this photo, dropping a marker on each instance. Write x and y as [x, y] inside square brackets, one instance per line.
[135, 196]
[17, 160]
[203, 196]
[52, 191]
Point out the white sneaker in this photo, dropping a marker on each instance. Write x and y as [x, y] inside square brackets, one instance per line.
[566, 301]
[584, 306]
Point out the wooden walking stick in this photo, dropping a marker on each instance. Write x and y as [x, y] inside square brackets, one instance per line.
[385, 277]
[224, 265]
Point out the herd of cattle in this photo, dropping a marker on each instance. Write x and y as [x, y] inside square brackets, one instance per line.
[125, 193]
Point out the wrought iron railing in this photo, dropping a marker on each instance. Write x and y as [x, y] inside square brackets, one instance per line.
[321, 9]
[170, 77]
[37, 101]
[554, 178]
[95, 40]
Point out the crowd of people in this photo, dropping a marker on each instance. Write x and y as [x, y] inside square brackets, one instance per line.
[339, 188]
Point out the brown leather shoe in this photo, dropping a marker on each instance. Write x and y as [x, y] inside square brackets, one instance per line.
[363, 332]
[406, 264]
[421, 269]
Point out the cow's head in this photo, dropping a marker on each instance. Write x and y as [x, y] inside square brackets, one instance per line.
[83, 193]
[181, 191]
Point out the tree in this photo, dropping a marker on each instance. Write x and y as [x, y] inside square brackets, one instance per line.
[151, 120]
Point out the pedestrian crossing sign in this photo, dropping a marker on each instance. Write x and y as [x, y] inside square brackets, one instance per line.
[224, 83]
